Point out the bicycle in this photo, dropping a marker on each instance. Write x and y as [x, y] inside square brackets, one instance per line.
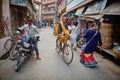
[62, 45]
[10, 46]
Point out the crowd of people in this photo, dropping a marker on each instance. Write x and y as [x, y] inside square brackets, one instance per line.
[69, 26]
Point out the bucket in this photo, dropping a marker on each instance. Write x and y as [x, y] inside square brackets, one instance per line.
[107, 45]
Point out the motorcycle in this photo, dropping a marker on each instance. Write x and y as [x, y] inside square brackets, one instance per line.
[24, 50]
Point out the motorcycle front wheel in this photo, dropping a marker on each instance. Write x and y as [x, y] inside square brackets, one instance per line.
[19, 62]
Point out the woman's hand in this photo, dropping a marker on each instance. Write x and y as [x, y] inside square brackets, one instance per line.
[100, 48]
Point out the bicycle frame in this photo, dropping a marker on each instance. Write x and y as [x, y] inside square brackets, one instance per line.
[66, 49]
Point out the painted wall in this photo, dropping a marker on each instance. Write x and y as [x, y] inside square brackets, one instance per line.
[6, 12]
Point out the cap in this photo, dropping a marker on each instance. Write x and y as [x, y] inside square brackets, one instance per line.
[93, 24]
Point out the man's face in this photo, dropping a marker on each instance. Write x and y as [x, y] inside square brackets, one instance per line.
[29, 23]
[64, 19]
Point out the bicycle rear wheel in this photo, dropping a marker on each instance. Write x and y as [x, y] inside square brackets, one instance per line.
[68, 54]
[9, 44]
[13, 52]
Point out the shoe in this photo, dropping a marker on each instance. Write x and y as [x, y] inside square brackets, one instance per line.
[38, 57]
[96, 62]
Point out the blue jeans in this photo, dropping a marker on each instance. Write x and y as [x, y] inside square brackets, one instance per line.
[36, 47]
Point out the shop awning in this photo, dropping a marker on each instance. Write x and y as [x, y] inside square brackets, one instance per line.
[95, 16]
[112, 9]
[23, 4]
[91, 18]
[80, 10]
[96, 7]
[19, 2]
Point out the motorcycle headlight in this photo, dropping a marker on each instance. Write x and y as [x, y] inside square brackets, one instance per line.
[26, 45]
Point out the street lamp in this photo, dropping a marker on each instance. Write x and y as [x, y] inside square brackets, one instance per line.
[56, 10]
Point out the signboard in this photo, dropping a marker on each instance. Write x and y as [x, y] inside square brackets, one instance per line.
[18, 2]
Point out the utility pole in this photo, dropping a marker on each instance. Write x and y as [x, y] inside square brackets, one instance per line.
[56, 11]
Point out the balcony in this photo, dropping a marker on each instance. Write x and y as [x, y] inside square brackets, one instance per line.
[48, 2]
[48, 18]
[48, 12]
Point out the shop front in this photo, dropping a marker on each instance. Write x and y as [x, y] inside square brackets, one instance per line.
[20, 10]
[90, 13]
[110, 27]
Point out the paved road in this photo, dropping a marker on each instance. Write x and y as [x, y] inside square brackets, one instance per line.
[52, 67]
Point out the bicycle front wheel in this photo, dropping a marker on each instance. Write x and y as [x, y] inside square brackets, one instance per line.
[8, 44]
[68, 54]
[57, 45]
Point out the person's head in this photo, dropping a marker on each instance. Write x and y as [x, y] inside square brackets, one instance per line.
[94, 27]
[25, 20]
[72, 22]
[76, 23]
[72, 18]
[64, 19]
[29, 21]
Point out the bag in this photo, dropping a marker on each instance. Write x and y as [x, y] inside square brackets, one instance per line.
[55, 29]
[83, 47]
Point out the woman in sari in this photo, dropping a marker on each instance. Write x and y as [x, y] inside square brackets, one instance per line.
[92, 37]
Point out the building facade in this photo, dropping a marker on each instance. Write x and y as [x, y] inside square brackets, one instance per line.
[48, 11]
[4, 24]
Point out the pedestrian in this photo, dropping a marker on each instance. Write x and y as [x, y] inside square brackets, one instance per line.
[93, 38]
[32, 31]
[73, 33]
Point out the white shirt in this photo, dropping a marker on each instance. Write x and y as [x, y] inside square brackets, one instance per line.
[74, 31]
[32, 30]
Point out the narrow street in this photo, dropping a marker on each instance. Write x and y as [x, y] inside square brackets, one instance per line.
[52, 67]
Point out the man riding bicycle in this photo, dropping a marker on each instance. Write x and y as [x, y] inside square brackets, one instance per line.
[63, 33]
